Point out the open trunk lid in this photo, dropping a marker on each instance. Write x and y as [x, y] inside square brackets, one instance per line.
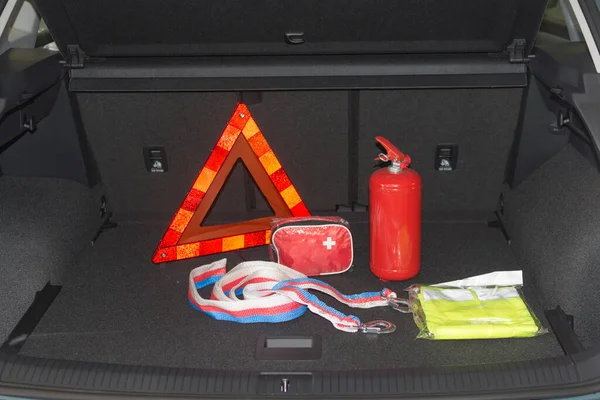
[233, 45]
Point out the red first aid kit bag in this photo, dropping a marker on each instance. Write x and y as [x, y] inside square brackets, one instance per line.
[312, 245]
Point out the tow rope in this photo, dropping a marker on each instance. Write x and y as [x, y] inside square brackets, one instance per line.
[275, 293]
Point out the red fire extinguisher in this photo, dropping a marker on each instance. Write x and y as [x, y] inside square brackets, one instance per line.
[395, 217]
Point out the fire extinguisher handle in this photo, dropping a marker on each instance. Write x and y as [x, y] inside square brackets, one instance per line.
[393, 154]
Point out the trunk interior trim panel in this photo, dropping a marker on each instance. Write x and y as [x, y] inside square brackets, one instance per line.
[94, 377]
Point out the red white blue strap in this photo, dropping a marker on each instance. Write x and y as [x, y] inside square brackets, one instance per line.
[273, 293]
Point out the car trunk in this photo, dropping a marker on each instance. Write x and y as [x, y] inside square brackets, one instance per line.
[117, 306]
[81, 210]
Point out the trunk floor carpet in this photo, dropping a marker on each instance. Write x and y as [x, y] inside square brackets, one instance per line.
[118, 307]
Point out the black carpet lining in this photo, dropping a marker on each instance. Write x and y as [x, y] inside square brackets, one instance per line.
[44, 222]
[117, 307]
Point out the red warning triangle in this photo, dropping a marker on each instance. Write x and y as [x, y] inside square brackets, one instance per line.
[241, 139]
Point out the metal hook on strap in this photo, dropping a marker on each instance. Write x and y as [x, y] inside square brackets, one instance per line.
[400, 305]
[379, 327]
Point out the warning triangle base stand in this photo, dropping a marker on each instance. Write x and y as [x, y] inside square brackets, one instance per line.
[241, 139]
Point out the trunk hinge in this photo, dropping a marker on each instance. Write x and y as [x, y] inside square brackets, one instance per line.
[75, 57]
[516, 52]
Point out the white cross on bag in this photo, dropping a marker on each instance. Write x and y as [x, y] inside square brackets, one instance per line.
[329, 243]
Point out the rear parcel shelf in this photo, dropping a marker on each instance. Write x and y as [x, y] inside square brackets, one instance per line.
[325, 72]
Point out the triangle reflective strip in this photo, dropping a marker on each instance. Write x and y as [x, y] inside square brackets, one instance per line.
[242, 138]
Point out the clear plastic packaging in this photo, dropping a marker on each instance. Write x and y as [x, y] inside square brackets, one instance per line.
[472, 312]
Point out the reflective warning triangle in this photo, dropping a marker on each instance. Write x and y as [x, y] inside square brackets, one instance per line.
[241, 139]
